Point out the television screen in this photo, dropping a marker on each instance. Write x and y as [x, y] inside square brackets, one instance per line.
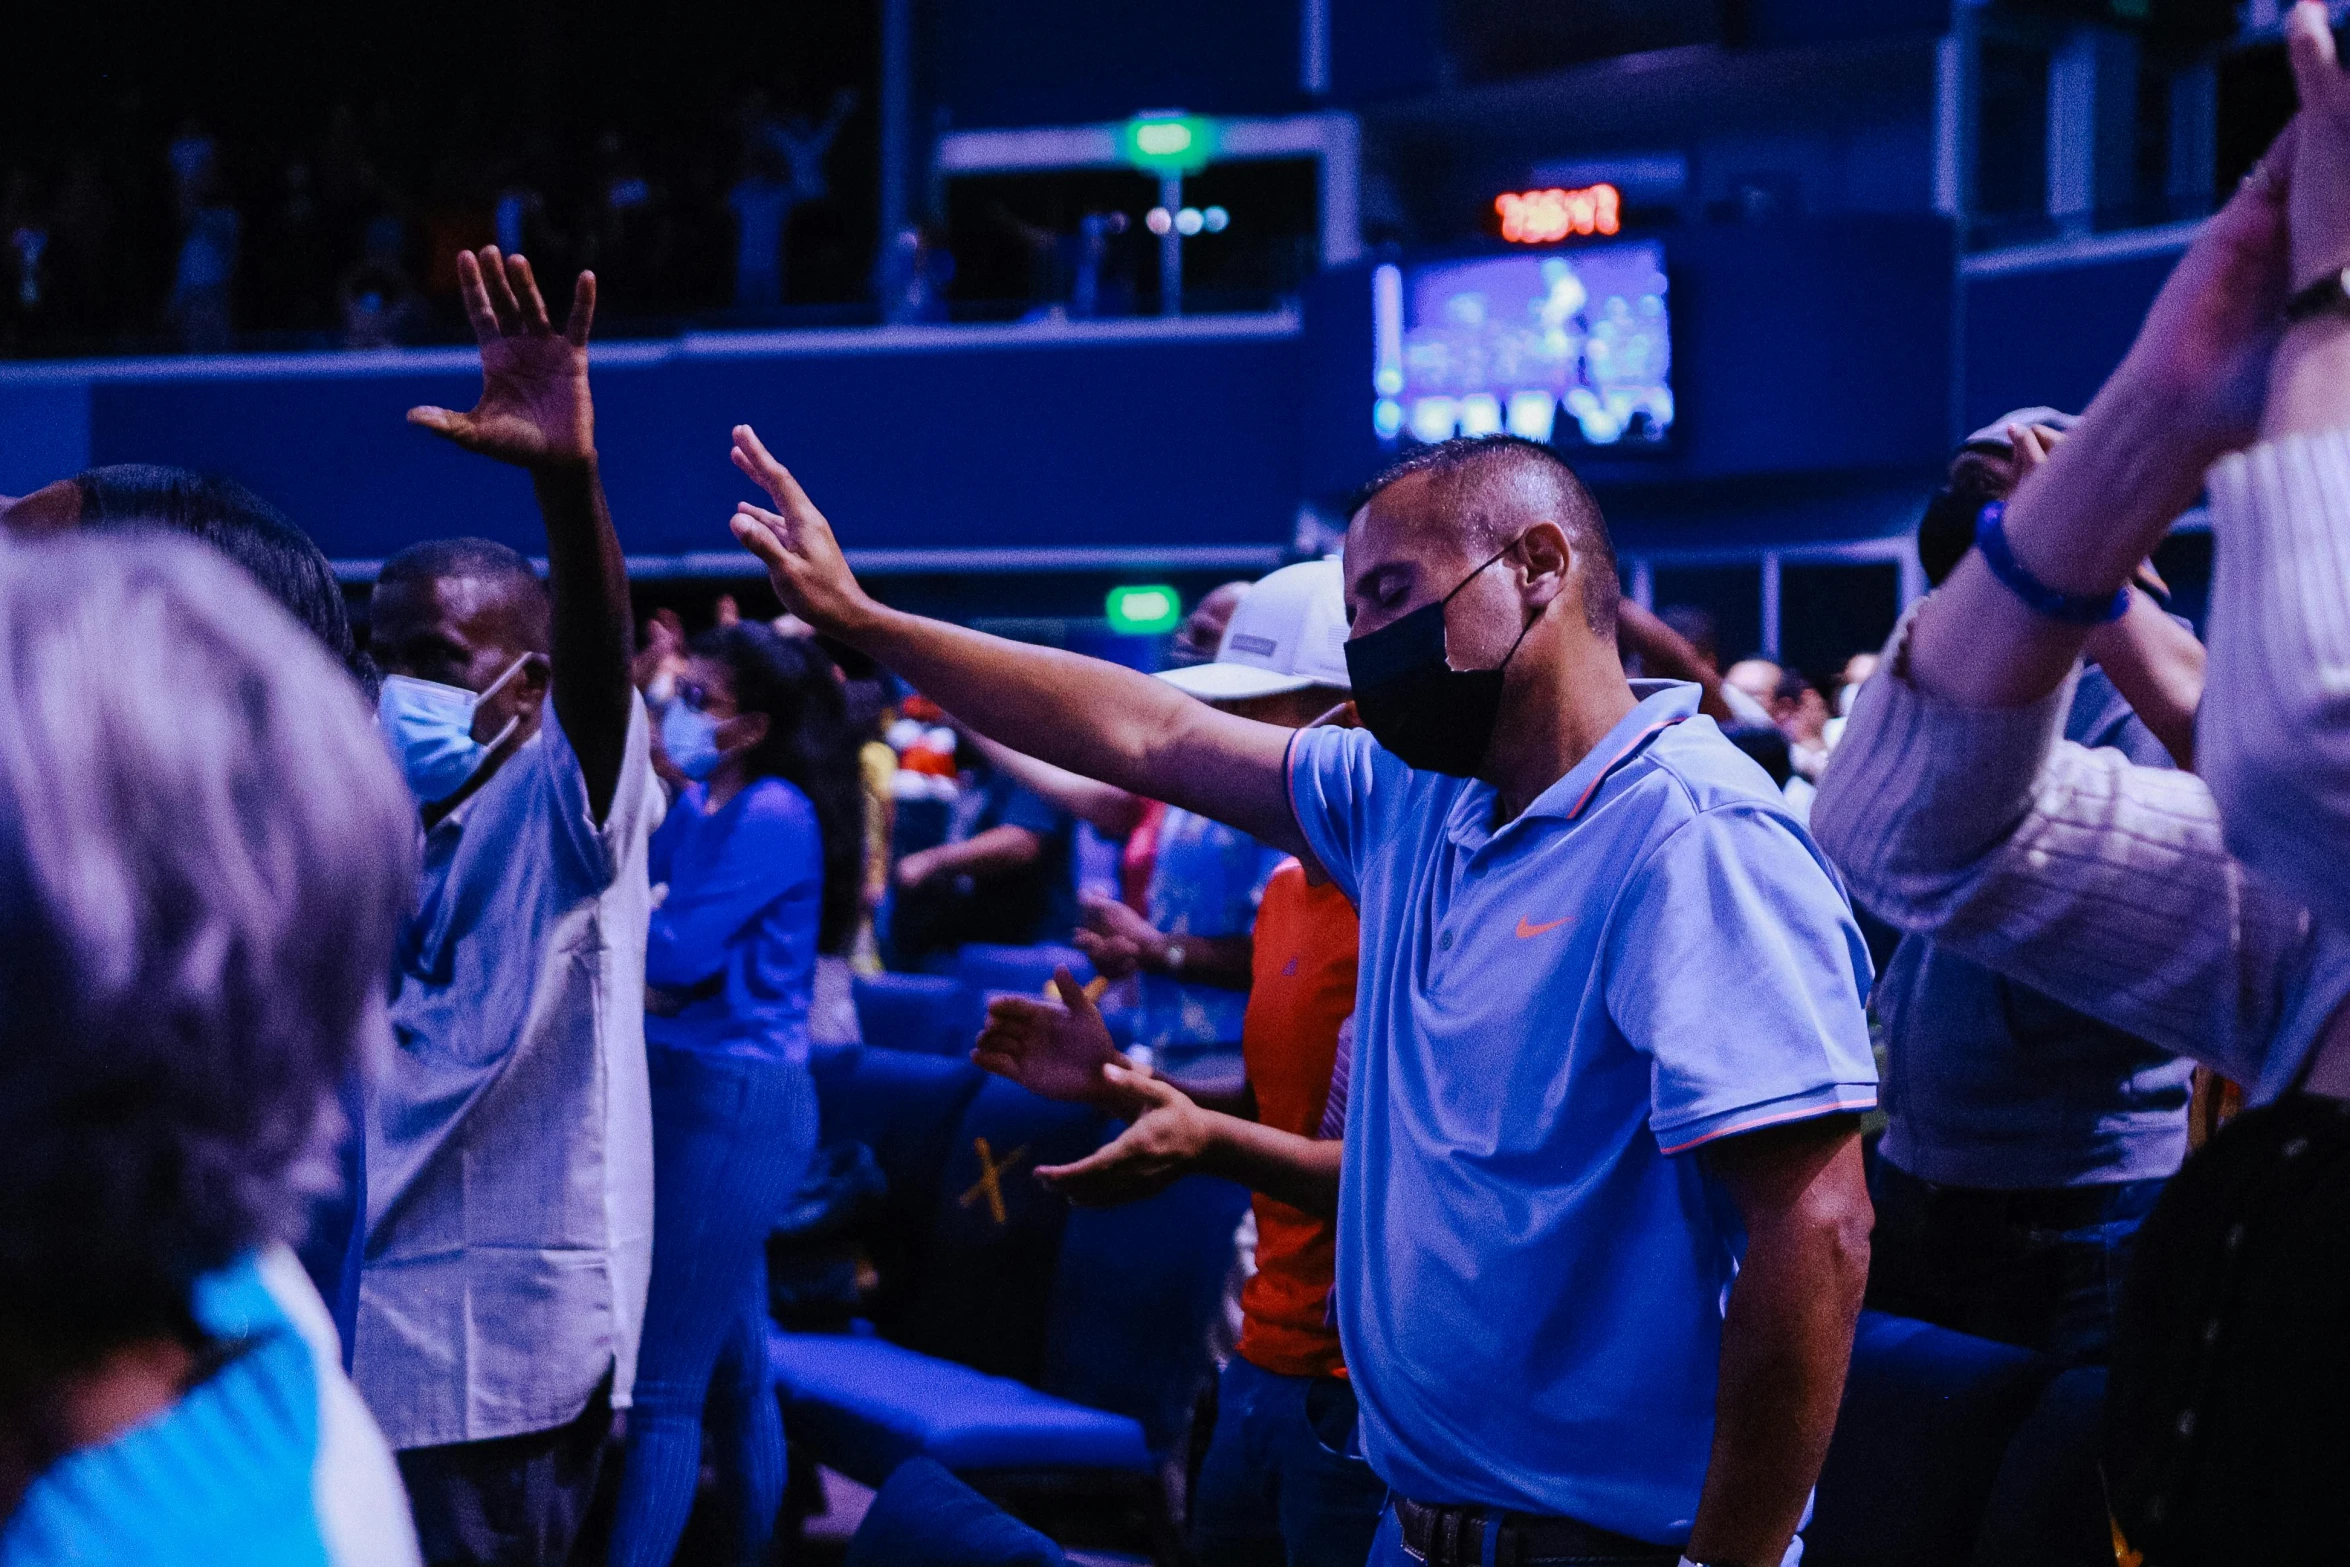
[1572, 347]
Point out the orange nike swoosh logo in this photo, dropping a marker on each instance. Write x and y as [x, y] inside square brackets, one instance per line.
[1527, 928]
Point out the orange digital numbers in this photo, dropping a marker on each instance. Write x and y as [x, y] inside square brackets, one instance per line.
[1538, 217]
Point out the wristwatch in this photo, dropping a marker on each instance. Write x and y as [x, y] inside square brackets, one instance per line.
[2327, 296]
[1172, 956]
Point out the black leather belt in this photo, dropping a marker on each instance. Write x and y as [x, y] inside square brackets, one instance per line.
[1455, 1537]
[2037, 1207]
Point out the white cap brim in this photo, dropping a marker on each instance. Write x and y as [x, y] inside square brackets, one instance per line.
[1232, 682]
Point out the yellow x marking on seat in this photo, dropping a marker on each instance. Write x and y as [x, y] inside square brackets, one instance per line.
[991, 1175]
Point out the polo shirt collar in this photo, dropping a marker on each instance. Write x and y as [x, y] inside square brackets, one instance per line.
[1657, 706]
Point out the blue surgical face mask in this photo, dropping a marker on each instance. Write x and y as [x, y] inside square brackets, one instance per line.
[690, 737]
[429, 727]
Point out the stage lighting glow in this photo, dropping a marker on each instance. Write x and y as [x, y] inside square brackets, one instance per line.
[1143, 610]
[1189, 222]
[1159, 220]
[1170, 143]
[1216, 219]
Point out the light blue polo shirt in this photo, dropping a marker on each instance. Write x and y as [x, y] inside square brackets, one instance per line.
[1532, 1269]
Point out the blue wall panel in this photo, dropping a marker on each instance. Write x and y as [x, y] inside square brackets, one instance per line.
[958, 439]
[2053, 336]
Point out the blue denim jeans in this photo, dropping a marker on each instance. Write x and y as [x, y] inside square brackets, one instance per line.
[1284, 1483]
[731, 1140]
[1981, 1262]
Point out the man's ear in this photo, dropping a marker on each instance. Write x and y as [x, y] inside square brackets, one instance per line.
[1547, 560]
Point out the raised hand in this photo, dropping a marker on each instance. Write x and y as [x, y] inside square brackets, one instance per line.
[1165, 1143]
[534, 410]
[795, 543]
[2320, 170]
[1057, 1050]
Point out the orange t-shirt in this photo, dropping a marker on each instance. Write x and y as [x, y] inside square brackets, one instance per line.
[1302, 988]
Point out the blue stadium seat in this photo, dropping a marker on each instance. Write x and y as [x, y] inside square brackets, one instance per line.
[930, 1014]
[1024, 970]
[1137, 1286]
[995, 1232]
[864, 1406]
[925, 1517]
[1926, 1422]
[1019, 1340]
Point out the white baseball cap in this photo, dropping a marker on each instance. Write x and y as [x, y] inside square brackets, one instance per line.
[1993, 436]
[1287, 633]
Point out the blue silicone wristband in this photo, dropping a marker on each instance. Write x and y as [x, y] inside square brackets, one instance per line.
[2078, 609]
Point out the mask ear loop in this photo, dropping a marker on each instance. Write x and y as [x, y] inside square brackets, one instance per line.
[1479, 572]
[515, 722]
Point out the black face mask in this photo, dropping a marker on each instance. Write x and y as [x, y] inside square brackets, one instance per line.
[1435, 718]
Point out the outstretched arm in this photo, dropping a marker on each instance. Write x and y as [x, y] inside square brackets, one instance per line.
[2276, 737]
[1063, 1051]
[1667, 655]
[1111, 811]
[1174, 1137]
[1088, 716]
[2189, 390]
[535, 413]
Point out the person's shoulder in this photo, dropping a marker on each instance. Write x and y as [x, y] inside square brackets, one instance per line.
[777, 800]
[1696, 764]
[1366, 767]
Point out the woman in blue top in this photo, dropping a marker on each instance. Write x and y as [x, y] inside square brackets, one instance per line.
[761, 854]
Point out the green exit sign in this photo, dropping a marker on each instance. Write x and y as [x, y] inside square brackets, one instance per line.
[1174, 144]
[1143, 611]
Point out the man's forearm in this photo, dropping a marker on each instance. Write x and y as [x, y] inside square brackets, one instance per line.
[1787, 1337]
[1110, 810]
[990, 853]
[593, 641]
[1300, 1171]
[2081, 523]
[2158, 667]
[1786, 1342]
[1095, 718]
[1666, 655]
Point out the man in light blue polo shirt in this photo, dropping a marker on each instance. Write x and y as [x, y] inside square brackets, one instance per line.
[1602, 1227]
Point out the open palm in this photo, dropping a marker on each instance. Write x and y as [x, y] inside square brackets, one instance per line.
[534, 410]
[1057, 1050]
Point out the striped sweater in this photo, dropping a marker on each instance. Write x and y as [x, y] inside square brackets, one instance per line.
[2210, 918]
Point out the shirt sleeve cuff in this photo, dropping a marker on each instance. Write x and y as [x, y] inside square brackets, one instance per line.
[1829, 1099]
[1311, 824]
[1921, 787]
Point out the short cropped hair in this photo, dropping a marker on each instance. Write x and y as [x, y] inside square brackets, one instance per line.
[485, 559]
[204, 855]
[1473, 476]
[1947, 530]
[241, 525]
